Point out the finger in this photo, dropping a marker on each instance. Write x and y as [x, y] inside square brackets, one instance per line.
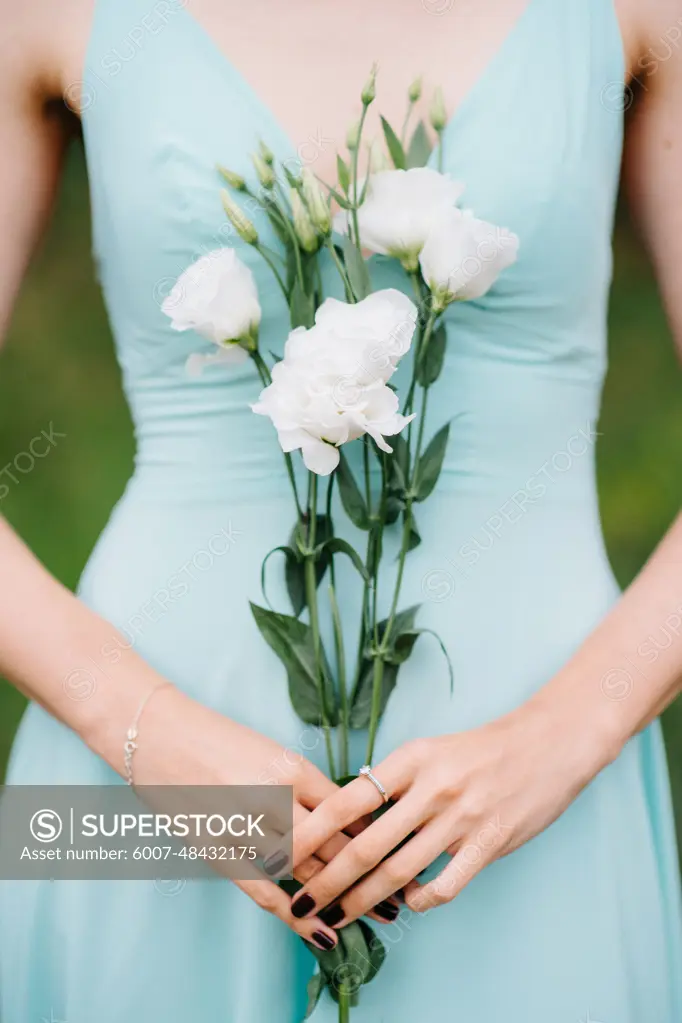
[468, 861]
[273, 899]
[279, 863]
[396, 871]
[360, 856]
[346, 806]
[314, 786]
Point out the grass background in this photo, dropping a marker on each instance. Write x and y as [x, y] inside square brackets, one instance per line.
[58, 368]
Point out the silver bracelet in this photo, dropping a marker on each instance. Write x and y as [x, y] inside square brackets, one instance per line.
[131, 744]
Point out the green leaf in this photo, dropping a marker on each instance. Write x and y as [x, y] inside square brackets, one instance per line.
[354, 961]
[351, 498]
[356, 954]
[414, 538]
[431, 464]
[419, 149]
[316, 986]
[294, 573]
[394, 506]
[404, 645]
[292, 180]
[377, 952]
[340, 199]
[401, 454]
[356, 268]
[293, 564]
[430, 363]
[361, 707]
[343, 171]
[292, 641]
[302, 307]
[361, 702]
[294, 577]
[446, 655]
[374, 549]
[324, 530]
[403, 622]
[336, 545]
[395, 149]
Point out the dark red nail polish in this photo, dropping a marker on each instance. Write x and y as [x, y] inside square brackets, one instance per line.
[386, 910]
[301, 906]
[323, 940]
[332, 914]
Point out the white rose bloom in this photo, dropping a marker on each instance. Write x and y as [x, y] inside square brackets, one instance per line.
[216, 296]
[330, 387]
[400, 209]
[464, 256]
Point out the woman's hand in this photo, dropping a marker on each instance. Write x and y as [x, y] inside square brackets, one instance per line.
[476, 795]
[184, 743]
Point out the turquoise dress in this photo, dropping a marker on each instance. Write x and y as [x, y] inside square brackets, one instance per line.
[582, 923]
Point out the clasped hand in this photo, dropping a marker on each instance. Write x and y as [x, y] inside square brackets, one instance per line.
[477, 795]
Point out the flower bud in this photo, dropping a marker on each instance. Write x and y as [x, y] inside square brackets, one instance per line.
[438, 114]
[303, 225]
[265, 173]
[316, 201]
[370, 89]
[239, 220]
[266, 153]
[353, 136]
[415, 90]
[235, 181]
[378, 158]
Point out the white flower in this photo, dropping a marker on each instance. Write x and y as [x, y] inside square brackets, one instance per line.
[330, 387]
[400, 209]
[216, 296]
[464, 256]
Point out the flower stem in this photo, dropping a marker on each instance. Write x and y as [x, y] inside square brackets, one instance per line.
[356, 156]
[341, 672]
[311, 597]
[266, 379]
[262, 251]
[403, 133]
[382, 644]
[419, 355]
[342, 271]
[382, 649]
[294, 243]
[344, 1007]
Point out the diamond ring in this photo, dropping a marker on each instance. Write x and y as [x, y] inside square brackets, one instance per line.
[366, 771]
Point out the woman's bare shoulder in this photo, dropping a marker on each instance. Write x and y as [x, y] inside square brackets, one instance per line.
[655, 24]
[43, 44]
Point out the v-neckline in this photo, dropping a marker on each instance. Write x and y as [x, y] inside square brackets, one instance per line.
[213, 47]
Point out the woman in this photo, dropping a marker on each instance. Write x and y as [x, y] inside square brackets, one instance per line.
[557, 680]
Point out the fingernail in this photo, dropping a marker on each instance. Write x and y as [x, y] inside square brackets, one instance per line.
[386, 910]
[332, 914]
[323, 940]
[275, 863]
[302, 906]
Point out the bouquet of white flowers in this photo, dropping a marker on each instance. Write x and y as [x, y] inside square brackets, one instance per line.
[333, 388]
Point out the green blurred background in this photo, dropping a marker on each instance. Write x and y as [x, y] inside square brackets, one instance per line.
[58, 367]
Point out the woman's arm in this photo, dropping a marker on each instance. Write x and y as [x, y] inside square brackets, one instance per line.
[50, 642]
[483, 793]
[45, 633]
